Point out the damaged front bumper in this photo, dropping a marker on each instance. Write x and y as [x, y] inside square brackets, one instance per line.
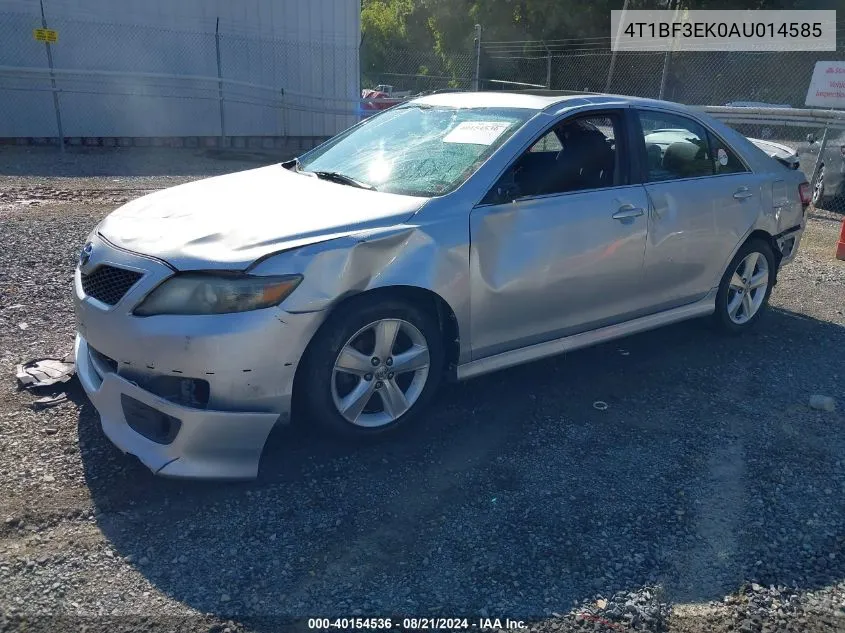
[190, 396]
[171, 439]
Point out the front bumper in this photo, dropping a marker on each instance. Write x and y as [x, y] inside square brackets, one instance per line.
[245, 362]
[209, 444]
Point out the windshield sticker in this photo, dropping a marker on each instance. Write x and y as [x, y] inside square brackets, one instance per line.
[723, 157]
[476, 132]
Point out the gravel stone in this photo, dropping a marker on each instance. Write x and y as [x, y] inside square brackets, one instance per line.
[822, 403]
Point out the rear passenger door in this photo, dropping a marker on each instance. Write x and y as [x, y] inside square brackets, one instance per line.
[703, 201]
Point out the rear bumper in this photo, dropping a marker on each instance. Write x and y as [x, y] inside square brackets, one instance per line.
[209, 444]
[788, 243]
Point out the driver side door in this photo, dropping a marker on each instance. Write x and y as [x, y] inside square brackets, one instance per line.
[557, 245]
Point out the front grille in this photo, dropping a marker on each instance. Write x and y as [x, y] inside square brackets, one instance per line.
[108, 283]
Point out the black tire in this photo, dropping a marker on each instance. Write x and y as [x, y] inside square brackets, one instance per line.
[721, 317]
[318, 364]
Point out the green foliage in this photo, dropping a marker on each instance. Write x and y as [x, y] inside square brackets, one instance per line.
[441, 32]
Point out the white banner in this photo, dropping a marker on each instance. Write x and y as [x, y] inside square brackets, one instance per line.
[723, 30]
[827, 87]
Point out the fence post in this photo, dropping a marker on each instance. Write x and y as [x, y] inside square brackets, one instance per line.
[663, 76]
[475, 79]
[53, 86]
[548, 67]
[667, 53]
[613, 53]
[219, 83]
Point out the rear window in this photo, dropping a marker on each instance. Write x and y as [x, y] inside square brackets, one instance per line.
[676, 147]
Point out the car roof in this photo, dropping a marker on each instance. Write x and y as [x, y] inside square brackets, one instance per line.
[541, 100]
[558, 102]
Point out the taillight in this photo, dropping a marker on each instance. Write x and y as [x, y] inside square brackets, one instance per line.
[805, 193]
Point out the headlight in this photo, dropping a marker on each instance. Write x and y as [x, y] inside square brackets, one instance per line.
[197, 293]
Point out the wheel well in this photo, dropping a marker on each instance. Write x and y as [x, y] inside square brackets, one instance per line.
[425, 299]
[771, 241]
[421, 297]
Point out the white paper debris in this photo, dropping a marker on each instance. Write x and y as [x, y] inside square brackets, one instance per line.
[45, 372]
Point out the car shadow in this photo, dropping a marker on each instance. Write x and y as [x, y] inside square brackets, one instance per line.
[706, 469]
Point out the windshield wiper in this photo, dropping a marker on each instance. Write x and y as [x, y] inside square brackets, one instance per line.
[343, 179]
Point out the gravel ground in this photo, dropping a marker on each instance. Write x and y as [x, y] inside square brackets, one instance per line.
[707, 497]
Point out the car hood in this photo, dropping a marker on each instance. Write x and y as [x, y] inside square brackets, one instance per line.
[227, 222]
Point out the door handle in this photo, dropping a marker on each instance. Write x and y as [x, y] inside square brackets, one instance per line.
[742, 193]
[627, 211]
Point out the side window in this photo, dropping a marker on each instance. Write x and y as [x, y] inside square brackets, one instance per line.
[548, 143]
[676, 147]
[725, 160]
[576, 155]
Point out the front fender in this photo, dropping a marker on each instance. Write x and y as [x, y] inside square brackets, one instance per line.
[434, 257]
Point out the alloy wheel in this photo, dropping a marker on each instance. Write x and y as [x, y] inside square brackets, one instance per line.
[818, 188]
[747, 289]
[380, 372]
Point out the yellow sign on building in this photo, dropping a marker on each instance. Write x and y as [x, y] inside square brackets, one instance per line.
[46, 35]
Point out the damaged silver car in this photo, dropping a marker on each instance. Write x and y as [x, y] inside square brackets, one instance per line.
[447, 237]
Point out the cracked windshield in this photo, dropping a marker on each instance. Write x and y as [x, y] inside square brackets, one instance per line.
[418, 150]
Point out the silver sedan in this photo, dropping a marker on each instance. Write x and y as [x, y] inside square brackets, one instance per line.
[447, 237]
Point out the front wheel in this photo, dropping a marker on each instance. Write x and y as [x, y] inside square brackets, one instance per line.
[372, 367]
[745, 287]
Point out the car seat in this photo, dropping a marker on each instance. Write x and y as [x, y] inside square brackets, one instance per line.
[685, 159]
[585, 162]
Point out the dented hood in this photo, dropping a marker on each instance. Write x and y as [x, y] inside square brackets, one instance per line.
[228, 222]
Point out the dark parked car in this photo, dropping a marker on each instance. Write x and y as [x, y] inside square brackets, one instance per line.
[830, 181]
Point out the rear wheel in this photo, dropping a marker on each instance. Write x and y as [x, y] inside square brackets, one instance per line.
[373, 367]
[745, 287]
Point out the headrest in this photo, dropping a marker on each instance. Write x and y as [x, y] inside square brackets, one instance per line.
[684, 157]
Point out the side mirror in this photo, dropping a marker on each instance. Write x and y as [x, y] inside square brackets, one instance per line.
[811, 138]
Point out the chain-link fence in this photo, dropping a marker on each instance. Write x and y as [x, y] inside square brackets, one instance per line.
[131, 80]
[700, 78]
[774, 79]
[419, 71]
[105, 79]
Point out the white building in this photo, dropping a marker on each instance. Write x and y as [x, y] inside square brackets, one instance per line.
[149, 68]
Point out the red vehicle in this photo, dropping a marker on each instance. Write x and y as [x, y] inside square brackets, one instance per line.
[381, 98]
